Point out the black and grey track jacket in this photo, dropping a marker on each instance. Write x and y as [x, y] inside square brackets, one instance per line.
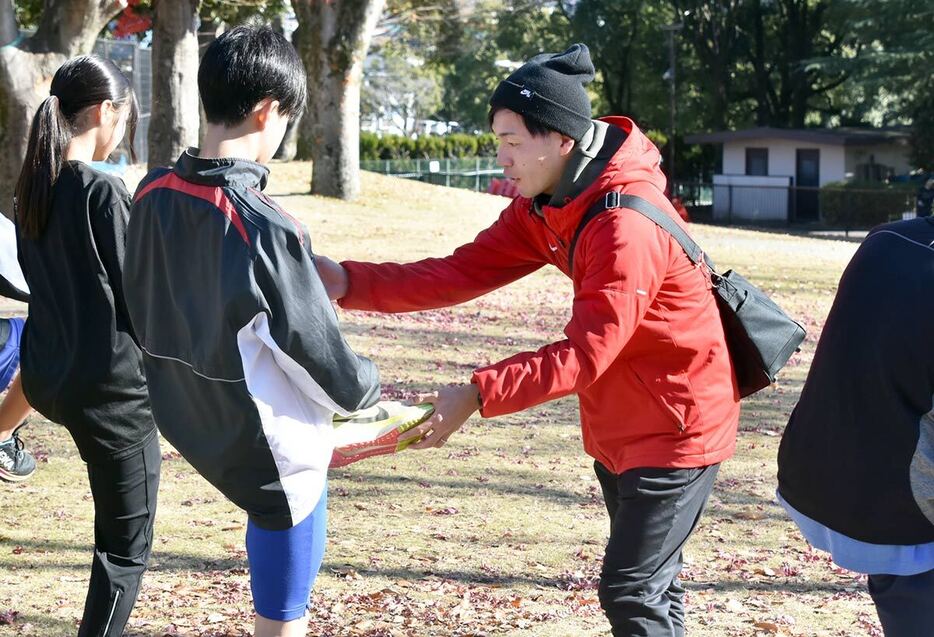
[244, 356]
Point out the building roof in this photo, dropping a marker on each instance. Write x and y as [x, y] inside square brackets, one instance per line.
[844, 136]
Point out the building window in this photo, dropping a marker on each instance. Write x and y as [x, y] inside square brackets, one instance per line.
[757, 161]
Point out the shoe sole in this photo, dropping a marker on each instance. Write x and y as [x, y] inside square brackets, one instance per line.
[6, 476]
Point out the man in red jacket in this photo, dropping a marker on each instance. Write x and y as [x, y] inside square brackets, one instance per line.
[644, 349]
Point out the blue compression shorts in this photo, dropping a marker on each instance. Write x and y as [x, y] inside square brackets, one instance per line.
[284, 564]
[9, 353]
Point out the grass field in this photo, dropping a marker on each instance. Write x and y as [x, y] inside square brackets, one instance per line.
[500, 532]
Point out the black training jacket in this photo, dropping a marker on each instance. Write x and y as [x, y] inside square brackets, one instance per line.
[245, 359]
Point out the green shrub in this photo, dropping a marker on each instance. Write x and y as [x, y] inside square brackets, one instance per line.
[369, 146]
[864, 204]
[454, 146]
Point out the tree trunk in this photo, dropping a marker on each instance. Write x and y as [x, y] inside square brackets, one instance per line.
[335, 38]
[289, 146]
[174, 121]
[762, 84]
[288, 149]
[67, 28]
[711, 28]
[207, 33]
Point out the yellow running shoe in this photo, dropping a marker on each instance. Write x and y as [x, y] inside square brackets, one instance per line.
[375, 431]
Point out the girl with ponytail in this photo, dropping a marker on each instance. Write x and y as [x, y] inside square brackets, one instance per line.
[80, 365]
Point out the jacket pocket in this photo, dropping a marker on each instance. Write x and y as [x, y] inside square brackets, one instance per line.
[672, 391]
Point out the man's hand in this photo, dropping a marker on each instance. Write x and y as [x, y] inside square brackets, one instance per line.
[334, 277]
[453, 406]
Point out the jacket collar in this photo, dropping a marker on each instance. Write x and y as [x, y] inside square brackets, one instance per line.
[587, 162]
[225, 171]
[615, 155]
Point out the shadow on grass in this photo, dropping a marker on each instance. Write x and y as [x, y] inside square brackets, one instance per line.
[162, 560]
[527, 487]
[787, 585]
[778, 586]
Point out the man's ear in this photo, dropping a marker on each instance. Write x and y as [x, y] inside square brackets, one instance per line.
[567, 145]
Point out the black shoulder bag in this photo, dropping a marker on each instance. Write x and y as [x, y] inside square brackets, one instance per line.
[760, 336]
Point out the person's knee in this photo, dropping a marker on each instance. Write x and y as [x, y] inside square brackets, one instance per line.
[136, 561]
[616, 590]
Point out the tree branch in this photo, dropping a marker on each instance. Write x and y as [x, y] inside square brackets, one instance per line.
[563, 9]
[70, 27]
[834, 84]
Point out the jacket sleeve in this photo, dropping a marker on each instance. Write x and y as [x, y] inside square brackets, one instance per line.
[623, 260]
[109, 214]
[304, 325]
[498, 255]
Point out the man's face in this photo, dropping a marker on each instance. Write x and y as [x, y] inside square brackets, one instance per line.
[535, 163]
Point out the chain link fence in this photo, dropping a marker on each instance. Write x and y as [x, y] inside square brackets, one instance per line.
[472, 173]
[846, 207]
[135, 62]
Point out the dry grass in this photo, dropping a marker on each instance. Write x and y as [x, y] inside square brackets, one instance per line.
[500, 532]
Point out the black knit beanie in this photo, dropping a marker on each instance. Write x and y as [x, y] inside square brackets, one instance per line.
[549, 89]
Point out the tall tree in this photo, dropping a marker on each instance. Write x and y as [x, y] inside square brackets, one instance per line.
[175, 118]
[399, 88]
[630, 54]
[333, 42]
[785, 37]
[713, 31]
[65, 28]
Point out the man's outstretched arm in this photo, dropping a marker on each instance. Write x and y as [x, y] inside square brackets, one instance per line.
[498, 255]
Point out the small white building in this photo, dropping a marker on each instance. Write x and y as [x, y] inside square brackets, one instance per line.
[774, 174]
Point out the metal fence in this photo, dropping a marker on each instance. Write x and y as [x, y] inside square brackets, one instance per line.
[135, 62]
[845, 208]
[472, 173]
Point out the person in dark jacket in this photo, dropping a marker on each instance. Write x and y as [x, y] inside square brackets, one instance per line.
[856, 461]
[644, 350]
[80, 364]
[243, 352]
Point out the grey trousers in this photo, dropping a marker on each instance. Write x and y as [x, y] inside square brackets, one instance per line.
[652, 514]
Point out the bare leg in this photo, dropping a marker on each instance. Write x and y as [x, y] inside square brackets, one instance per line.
[13, 409]
[272, 628]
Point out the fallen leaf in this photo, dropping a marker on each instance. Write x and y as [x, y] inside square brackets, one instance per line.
[768, 627]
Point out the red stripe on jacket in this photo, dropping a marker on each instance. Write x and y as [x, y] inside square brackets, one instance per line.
[214, 195]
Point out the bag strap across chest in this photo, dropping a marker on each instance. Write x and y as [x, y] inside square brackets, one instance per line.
[613, 200]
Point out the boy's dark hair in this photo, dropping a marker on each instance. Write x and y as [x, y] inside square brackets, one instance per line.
[245, 66]
[535, 128]
[79, 83]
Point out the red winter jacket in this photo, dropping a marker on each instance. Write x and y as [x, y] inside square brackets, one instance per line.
[644, 349]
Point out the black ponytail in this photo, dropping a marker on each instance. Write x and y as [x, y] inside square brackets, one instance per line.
[48, 138]
[81, 82]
